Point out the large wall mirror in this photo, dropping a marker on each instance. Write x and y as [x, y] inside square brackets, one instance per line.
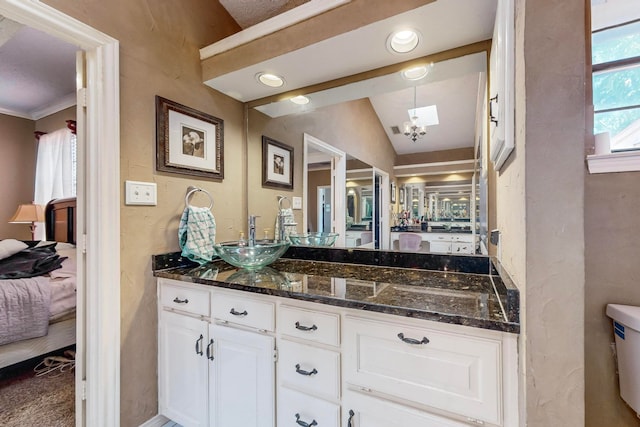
[389, 183]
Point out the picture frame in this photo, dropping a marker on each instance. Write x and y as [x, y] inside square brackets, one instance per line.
[277, 164]
[393, 191]
[188, 141]
[401, 195]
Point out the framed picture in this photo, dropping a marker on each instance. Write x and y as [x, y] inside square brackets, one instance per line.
[393, 191]
[188, 141]
[277, 164]
[401, 195]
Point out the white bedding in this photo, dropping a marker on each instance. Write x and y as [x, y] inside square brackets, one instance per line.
[28, 305]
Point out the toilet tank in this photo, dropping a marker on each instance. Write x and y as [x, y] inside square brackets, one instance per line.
[626, 327]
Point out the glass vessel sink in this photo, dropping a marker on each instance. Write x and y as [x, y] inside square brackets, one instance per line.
[313, 239]
[241, 254]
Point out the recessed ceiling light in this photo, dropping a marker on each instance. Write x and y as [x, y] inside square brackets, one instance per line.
[403, 41]
[416, 73]
[300, 100]
[270, 80]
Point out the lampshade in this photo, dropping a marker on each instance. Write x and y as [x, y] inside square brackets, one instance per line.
[27, 214]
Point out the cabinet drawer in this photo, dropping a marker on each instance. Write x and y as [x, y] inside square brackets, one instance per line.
[294, 407]
[310, 369]
[245, 311]
[310, 325]
[462, 248]
[440, 246]
[184, 298]
[371, 412]
[454, 372]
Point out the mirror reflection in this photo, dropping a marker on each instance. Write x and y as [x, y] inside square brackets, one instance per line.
[354, 179]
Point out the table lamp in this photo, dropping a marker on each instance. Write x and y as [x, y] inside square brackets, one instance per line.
[28, 214]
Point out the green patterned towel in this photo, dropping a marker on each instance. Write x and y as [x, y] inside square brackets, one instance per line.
[197, 234]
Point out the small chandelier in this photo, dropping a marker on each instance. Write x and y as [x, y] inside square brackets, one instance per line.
[411, 129]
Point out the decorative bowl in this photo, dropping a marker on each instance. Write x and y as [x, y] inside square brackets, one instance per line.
[242, 255]
[313, 239]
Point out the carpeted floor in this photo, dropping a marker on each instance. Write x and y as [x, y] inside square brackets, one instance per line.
[30, 401]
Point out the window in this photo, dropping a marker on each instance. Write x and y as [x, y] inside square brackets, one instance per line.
[616, 84]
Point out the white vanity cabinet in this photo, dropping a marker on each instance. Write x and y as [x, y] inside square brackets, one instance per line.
[183, 337]
[445, 243]
[215, 368]
[309, 365]
[236, 358]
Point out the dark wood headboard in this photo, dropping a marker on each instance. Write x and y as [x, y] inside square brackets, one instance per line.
[60, 220]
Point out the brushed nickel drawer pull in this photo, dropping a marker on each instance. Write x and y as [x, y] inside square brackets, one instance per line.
[180, 301]
[237, 313]
[305, 328]
[307, 373]
[425, 340]
[303, 424]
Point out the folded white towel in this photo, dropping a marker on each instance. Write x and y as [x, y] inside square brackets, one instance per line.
[197, 234]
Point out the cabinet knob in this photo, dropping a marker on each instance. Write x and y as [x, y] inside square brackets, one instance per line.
[303, 424]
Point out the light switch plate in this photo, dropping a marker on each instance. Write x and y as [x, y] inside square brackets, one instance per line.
[297, 202]
[141, 193]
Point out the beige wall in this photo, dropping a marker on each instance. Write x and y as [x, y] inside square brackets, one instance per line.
[159, 44]
[612, 246]
[540, 209]
[316, 179]
[335, 126]
[56, 121]
[18, 166]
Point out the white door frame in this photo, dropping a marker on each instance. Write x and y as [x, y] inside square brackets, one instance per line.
[338, 185]
[385, 207]
[98, 222]
[320, 207]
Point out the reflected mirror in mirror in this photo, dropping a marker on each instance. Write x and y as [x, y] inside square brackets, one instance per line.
[364, 118]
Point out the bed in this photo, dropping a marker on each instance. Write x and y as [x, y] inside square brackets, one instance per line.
[59, 328]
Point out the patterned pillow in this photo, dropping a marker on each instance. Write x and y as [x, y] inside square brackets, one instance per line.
[10, 247]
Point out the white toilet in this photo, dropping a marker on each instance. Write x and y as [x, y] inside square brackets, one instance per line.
[626, 327]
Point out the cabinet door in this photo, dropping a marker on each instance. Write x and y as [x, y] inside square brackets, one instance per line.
[364, 411]
[241, 380]
[182, 369]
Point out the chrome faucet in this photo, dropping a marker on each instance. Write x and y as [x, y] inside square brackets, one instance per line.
[252, 230]
[282, 236]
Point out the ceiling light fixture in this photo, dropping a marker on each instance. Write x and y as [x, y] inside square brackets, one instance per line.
[403, 41]
[416, 73]
[300, 100]
[411, 129]
[270, 80]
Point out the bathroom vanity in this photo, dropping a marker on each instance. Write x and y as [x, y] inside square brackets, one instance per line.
[332, 337]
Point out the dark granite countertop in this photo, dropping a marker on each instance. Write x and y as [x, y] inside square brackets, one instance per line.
[370, 280]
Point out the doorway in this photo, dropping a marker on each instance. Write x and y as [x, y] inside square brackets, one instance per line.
[319, 154]
[98, 283]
